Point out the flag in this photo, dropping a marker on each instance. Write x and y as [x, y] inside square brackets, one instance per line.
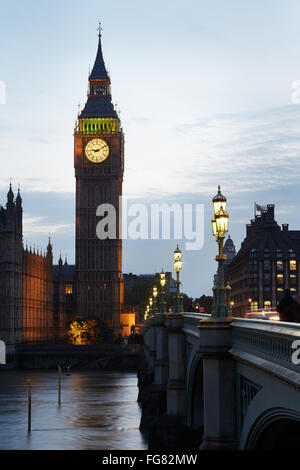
[260, 208]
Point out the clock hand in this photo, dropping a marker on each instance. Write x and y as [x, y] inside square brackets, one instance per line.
[98, 150]
[103, 146]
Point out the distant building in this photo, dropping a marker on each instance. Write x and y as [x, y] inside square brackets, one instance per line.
[267, 264]
[229, 251]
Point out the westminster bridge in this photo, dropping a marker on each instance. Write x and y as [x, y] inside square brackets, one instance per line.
[220, 383]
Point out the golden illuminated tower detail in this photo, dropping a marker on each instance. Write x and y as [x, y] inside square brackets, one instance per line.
[98, 162]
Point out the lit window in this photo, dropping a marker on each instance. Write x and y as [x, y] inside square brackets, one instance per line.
[279, 293]
[279, 266]
[254, 305]
[280, 278]
[267, 304]
[69, 289]
[293, 289]
[292, 265]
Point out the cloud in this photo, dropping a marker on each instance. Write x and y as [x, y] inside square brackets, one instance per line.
[33, 225]
[245, 152]
[249, 151]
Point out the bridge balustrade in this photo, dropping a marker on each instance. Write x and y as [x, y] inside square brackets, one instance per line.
[234, 377]
[191, 321]
[268, 345]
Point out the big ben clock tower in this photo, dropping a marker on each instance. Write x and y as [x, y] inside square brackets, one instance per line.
[98, 162]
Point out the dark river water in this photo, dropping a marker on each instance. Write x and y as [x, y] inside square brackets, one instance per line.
[99, 410]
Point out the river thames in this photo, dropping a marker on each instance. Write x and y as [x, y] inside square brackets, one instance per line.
[99, 411]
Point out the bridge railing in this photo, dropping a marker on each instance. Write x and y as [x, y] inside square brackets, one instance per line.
[191, 321]
[268, 345]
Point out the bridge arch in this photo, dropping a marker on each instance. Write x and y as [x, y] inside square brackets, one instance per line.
[276, 429]
[2, 352]
[195, 399]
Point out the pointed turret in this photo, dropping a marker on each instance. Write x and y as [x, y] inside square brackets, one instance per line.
[60, 265]
[19, 199]
[10, 200]
[19, 213]
[49, 249]
[99, 103]
[99, 71]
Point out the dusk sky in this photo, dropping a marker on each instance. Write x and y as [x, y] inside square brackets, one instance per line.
[205, 94]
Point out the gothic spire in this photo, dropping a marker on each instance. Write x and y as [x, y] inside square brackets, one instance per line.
[99, 71]
[60, 265]
[49, 248]
[10, 194]
[18, 198]
[10, 201]
[99, 103]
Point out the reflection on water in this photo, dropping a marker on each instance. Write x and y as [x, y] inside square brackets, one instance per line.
[99, 410]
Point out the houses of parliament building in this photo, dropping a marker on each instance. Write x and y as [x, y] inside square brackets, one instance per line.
[37, 298]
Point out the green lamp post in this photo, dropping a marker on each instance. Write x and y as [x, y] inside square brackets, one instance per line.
[221, 303]
[177, 267]
[162, 303]
[151, 306]
[148, 311]
[154, 293]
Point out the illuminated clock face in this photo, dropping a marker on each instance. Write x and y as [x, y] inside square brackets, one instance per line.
[97, 150]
